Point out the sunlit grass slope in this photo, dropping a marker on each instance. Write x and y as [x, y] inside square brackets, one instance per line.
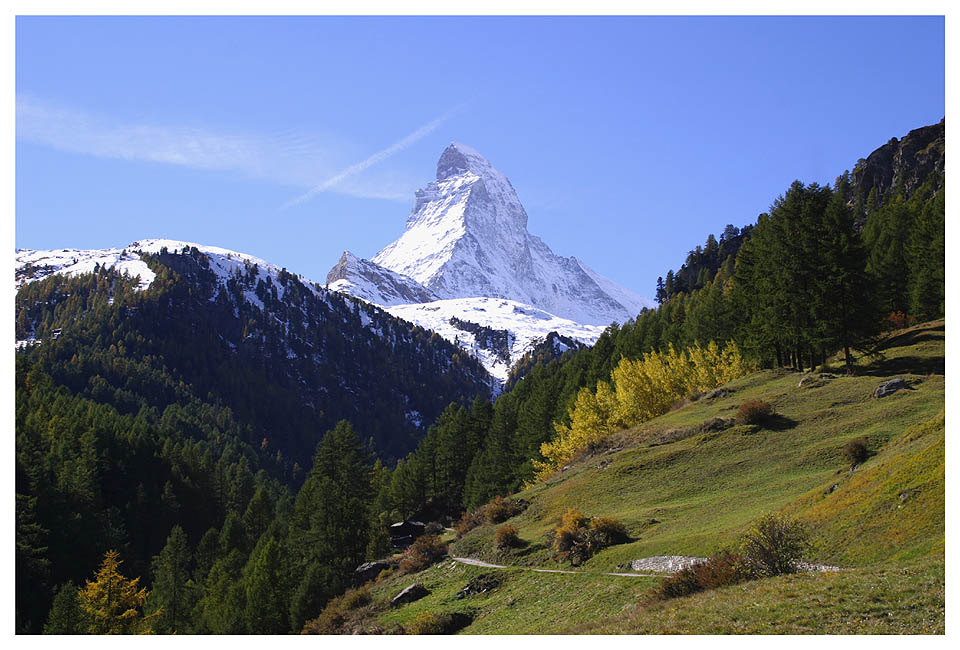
[683, 489]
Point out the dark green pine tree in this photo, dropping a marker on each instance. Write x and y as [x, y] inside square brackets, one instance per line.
[492, 471]
[259, 513]
[887, 235]
[32, 567]
[206, 554]
[223, 606]
[846, 310]
[66, 615]
[268, 594]
[330, 523]
[927, 251]
[379, 545]
[454, 455]
[668, 288]
[173, 592]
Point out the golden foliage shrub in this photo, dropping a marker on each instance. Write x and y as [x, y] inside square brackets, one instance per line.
[578, 537]
[497, 511]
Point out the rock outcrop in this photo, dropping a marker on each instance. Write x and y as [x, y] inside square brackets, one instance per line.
[890, 387]
[908, 160]
[410, 594]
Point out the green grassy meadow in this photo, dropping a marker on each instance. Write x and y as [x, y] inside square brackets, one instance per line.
[681, 490]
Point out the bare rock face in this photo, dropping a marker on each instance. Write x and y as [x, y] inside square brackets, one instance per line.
[910, 160]
[410, 594]
[890, 387]
[368, 281]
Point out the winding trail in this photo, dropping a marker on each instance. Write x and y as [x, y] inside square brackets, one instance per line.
[481, 563]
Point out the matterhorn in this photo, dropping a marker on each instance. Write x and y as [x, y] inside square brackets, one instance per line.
[466, 256]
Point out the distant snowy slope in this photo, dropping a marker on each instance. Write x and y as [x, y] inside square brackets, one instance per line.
[633, 301]
[495, 330]
[32, 265]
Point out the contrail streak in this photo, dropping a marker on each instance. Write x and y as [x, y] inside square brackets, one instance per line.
[396, 147]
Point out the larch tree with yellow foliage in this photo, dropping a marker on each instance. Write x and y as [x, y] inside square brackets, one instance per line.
[641, 390]
[114, 603]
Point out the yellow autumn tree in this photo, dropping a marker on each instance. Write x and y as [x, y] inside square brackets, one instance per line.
[591, 420]
[642, 389]
[113, 602]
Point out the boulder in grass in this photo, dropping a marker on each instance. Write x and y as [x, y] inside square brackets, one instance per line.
[369, 570]
[890, 386]
[414, 592]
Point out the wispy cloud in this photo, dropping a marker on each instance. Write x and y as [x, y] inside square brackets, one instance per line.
[289, 158]
[78, 132]
[381, 155]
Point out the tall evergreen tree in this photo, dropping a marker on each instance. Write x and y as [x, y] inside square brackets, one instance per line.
[330, 523]
[846, 312]
[887, 236]
[268, 593]
[927, 250]
[66, 615]
[173, 591]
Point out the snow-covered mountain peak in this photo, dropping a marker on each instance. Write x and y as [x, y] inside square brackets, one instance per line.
[467, 237]
[459, 159]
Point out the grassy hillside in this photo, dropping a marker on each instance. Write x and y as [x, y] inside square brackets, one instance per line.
[684, 489]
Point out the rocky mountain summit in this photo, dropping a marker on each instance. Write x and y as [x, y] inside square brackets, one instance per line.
[467, 237]
[906, 162]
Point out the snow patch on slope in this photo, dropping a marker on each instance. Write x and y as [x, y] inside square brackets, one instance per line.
[71, 261]
[525, 324]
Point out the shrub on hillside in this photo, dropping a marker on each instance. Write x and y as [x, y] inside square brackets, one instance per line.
[334, 615]
[722, 569]
[897, 320]
[855, 451]
[500, 509]
[354, 598]
[425, 551]
[468, 521]
[506, 537]
[578, 537]
[774, 545]
[754, 412]
[497, 511]
[607, 531]
[682, 583]
[425, 623]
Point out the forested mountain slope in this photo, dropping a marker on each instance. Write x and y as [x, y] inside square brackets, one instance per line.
[147, 404]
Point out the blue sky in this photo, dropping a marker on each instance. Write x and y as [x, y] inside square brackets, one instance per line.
[627, 139]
